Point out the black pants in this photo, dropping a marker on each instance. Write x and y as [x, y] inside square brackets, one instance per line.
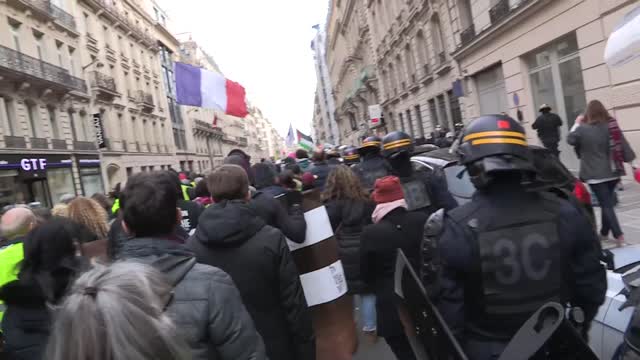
[552, 145]
[605, 192]
[400, 346]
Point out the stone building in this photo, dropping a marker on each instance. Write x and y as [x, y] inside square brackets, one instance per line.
[324, 124]
[352, 71]
[47, 143]
[515, 55]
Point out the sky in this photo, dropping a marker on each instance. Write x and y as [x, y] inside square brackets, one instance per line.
[265, 45]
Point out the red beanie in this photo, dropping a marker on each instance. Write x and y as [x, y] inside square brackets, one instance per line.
[308, 179]
[387, 189]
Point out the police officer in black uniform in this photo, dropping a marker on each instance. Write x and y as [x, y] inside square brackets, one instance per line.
[351, 156]
[423, 191]
[508, 251]
[372, 166]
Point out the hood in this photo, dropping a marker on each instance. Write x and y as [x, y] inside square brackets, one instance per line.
[228, 224]
[168, 257]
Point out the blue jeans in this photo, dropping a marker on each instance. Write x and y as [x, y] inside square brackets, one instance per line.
[605, 192]
[368, 311]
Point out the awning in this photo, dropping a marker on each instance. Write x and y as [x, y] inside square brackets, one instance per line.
[623, 45]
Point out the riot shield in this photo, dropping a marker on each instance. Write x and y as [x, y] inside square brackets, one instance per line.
[548, 335]
[428, 334]
[324, 283]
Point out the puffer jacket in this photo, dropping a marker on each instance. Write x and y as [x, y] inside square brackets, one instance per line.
[234, 238]
[206, 306]
[348, 218]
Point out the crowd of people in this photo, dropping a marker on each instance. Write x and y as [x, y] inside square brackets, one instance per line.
[186, 266]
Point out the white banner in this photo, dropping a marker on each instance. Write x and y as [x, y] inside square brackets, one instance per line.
[375, 114]
[318, 228]
[324, 285]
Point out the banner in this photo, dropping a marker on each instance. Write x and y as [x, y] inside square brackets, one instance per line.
[375, 114]
[97, 125]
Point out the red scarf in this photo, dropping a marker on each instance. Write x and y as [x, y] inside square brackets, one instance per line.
[616, 147]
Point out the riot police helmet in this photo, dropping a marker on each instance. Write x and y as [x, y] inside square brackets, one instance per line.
[351, 155]
[396, 143]
[494, 144]
[332, 153]
[369, 145]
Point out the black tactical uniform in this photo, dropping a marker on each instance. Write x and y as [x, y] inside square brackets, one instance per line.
[373, 165]
[351, 156]
[509, 251]
[423, 191]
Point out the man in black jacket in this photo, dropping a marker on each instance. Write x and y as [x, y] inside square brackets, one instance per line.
[548, 127]
[206, 307]
[320, 170]
[232, 236]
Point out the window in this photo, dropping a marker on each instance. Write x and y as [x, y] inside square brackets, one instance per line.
[409, 123]
[129, 171]
[422, 53]
[352, 121]
[401, 121]
[34, 117]
[40, 47]
[72, 125]
[399, 73]
[454, 106]
[59, 53]
[72, 63]
[442, 111]
[411, 63]
[436, 38]
[15, 34]
[419, 121]
[393, 85]
[84, 128]
[9, 112]
[87, 23]
[144, 131]
[434, 113]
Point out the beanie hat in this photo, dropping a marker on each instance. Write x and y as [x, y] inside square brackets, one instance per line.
[387, 189]
[308, 179]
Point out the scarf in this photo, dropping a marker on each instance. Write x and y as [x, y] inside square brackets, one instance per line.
[383, 209]
[616, 148]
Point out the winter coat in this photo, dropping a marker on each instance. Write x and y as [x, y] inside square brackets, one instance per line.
[548, 127]
[26, 321]
[291, 222]
[233, 237]
[348, 218]
[400, 229]
[206, 307]
[191, 211]
[273, 190]
[320, 173]
[595, 154]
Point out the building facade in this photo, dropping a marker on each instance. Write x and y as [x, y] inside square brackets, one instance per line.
[47, 145]
[324, 125]
[445, 62]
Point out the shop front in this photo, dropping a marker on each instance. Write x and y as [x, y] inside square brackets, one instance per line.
[90, 174]
[43, 179]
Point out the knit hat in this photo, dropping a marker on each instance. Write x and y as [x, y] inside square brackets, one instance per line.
[387, 189]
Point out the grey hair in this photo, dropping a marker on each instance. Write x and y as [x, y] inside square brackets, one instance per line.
[116, 313]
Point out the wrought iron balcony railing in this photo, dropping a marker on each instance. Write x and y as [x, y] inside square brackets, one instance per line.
[499, 11]
[47, 9]
[467, 35]
[27, 66]
[17, 142]
[103, 82]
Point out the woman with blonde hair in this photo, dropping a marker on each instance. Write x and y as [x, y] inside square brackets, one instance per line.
[603, 151]
[350, 209]
[89, 213]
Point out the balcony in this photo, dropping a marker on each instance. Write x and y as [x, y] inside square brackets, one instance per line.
[467, 35]
[21, 67]
[242, 141]
[16, 142]
[84, 145]
[499, 11]
[39, 143]
[441, 58]
[145, 100]
[59, 144]
[104, 86]
[45, 9]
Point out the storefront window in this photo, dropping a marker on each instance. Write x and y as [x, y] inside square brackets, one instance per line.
[60, 183]
[91, 181]
[10, 189]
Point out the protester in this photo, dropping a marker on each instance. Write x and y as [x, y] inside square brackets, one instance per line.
[115, 197]
[60, 210]
[349, 208]
[266, 180]
[104, 202]
[303, 160]
[206, 307]
[15, 224]
[89, 213]
[117, 313]
[42, 215]
[548, 127]
[288, 180]
[394, 228]
[67, 198]
[231, 236]
[603, 152]
[189, 210]
[202, 194]
[49, 266]
[240, 158]
[320, 171]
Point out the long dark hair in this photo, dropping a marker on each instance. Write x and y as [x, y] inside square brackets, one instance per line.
[50, 260]
[596, 113]
[343, 184]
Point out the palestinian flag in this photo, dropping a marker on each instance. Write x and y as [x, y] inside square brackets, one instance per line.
[305, 141]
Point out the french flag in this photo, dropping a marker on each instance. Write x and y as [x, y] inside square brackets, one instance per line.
[208, 89]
